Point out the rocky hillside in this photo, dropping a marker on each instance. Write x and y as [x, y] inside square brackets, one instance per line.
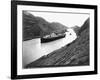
[73, 54]
[36, 27]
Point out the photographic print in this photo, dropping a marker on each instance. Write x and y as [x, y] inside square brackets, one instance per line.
[53, 39]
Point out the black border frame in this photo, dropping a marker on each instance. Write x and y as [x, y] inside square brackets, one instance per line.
[14, 39]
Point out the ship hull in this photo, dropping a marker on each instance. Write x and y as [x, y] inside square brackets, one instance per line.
[44, 40]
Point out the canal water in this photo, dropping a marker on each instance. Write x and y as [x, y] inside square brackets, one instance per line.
[33, 49]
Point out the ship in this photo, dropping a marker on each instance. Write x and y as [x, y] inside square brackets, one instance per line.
[52, 37]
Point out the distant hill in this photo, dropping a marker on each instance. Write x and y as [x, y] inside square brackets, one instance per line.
[73, 54]
[58, 27]
[76, 29]
[37, 27]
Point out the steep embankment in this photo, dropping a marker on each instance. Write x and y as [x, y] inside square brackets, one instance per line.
[73, 54]
[37, 27]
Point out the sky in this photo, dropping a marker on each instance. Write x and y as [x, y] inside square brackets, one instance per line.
[67, 19]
